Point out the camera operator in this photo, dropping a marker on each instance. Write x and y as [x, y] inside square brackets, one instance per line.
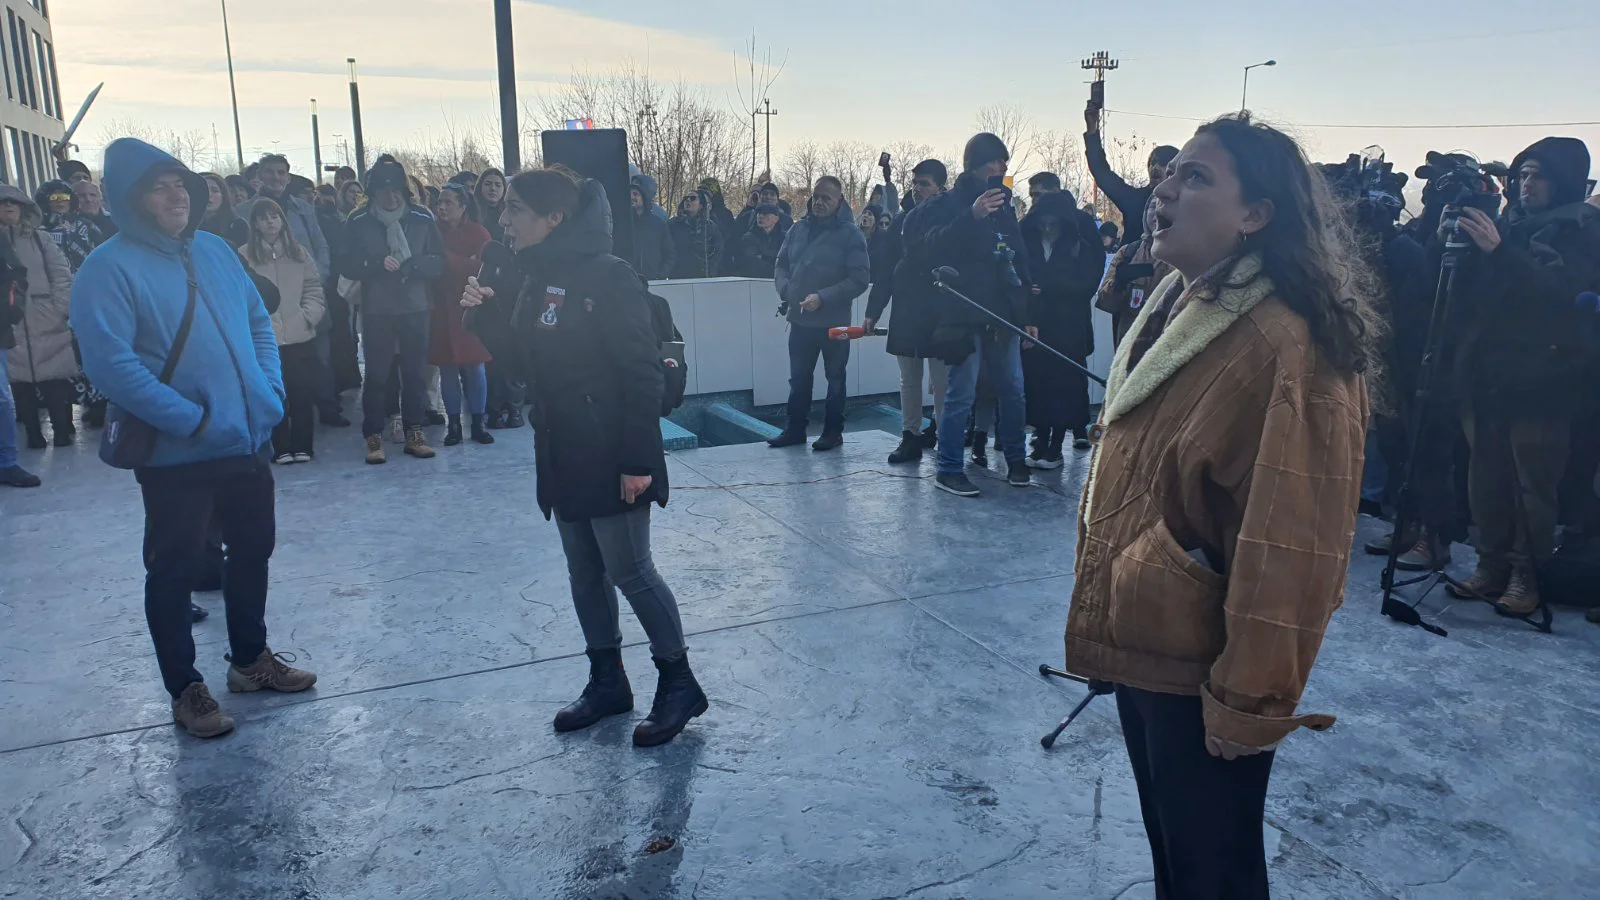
[1521, 359]
[582, 336]
[973, 228]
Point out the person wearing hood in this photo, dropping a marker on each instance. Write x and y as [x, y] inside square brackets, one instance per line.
[1523, 363]
[74, 233]
[718, 210]
[908, 284]
[213, 415]
[12, 308]
[489, 192]
[651, 189]
[1067, 262]
[759, 246]
[394, 250]
[583, 337]
[43, 364]
[654, 252]
[696, 238]
[822, 268]
[274, 254]
[973, 229]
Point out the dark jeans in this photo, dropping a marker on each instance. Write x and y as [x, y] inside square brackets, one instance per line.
[805, 345]
[342, 342]
[610, 554]
[382, 337]
[180, 502]
[505, 393]
[302, 384]
[1202, 813]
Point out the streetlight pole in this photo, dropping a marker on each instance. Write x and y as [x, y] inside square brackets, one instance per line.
[1245, 97]
[316, 141]
[233, 92]
[510, 136]
[355, 121]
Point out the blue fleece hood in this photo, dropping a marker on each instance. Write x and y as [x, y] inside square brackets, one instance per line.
[130, 164]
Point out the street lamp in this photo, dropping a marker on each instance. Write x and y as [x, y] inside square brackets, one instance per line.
[1243, 98]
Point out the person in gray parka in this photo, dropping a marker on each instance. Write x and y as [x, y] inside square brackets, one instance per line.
[43, 363]
[822, 268]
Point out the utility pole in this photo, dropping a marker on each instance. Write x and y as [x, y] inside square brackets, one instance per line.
[233, 92]
[1100, 63]
[355, 121]
[316, 141]
[510, 136]
[769, 112]
[646, 115]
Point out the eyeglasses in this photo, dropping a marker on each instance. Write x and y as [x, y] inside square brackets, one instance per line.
[59, 198]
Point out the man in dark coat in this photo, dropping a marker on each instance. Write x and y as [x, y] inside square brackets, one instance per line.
[973, 229]
[1524, 361]
[696, 238]
[911, 331]
[654, 252]
[1067, 260]
[723, 218]
[758, 249]
[822, 268]
[1129, 200]
[766, 195]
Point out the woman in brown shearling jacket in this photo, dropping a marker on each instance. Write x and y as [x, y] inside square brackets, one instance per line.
[1218, 515]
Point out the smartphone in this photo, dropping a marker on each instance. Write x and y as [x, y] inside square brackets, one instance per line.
[1000, 182]
[883, 159]
[1097, 94]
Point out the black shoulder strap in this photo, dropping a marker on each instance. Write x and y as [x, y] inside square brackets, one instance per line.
[185, 325]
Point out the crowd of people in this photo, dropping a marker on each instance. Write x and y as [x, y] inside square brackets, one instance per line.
[1260, 306]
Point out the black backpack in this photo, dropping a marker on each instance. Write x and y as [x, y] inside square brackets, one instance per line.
[674, 366]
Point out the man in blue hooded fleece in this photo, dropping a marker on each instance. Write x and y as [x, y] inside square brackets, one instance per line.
[215, 416]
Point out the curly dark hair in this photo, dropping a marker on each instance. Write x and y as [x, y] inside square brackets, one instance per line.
[1309, 249]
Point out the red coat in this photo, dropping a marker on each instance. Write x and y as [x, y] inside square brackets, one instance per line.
[449, 341]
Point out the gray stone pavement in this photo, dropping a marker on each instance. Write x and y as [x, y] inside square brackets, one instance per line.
[870, 646]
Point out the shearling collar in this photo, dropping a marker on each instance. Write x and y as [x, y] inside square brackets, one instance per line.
[1215, 306]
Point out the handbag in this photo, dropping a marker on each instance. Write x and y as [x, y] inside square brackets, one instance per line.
[129, 442]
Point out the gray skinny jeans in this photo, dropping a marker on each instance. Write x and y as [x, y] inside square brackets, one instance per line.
[611, 553]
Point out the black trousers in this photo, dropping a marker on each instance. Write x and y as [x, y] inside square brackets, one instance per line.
[805, 345]
[302, 383]
[54, 396]
[383, 337]
[180, 503]
[1202, 813]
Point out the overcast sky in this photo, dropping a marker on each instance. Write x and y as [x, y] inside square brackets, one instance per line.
[876, 72]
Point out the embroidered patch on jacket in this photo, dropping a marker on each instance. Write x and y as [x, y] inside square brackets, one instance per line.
[1136, 298]
[554, 298]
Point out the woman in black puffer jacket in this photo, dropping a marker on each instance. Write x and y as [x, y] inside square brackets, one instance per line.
[583, 338]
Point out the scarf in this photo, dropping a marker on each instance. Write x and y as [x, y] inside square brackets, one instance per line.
[399, 247]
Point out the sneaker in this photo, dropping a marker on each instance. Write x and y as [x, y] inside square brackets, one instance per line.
[830, 440]
[787, 439]
[197, 711]
[1050, 459]
[375, 453]
[956, 483]
[302, 457]
[17, 476]
[910, 449]
[496, 419]
[1080, 439]
[1017, 474]
[283, 459]
[514, 418]
[1521, 597]
[417, 444]
[1485, 583]
[397, 430]
[198, 613]
[269, 672]
[980, 453]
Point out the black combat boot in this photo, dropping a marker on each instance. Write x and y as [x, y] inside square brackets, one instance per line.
[479, 433]
[606, 694]
[452, 432]
[678, 699]
[910, 449]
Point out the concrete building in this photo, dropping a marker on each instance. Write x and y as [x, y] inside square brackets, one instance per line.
[31, 115]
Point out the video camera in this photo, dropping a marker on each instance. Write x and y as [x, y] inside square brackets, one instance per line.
[1370, 183]
[1457, 181]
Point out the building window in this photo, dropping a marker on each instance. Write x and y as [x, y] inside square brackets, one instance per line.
[44, 8]
[5, 60]
[43, 63]
[55, 81]
[19, 55]
[30, 163]
[13, 149]
[47, 163]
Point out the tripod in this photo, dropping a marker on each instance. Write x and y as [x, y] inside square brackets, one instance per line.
[1394, 606]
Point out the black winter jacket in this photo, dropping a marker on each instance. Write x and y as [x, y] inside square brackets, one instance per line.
[698, 245]
[584, 342]
[943, 232]
[1068, 280]
[654, 251]
[909, 287]
[367, 245]
[827, 258]
[1129, 200]
[758, 250]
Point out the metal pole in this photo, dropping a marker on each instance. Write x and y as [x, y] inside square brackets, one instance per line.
[510, 136]
[770, 114]
[316, 141]
[1244, 96]
[233, 92]
[355, 121]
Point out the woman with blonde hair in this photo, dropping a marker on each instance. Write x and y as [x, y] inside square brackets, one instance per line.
[273, 253]
[1218, 513]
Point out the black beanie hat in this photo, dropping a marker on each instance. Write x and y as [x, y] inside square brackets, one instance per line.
[983, 149]
[72, 167]
[387, 173]
[1563, 160]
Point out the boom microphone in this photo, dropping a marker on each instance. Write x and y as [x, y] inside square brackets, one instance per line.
[942, 277]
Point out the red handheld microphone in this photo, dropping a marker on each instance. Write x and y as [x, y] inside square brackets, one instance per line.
[854, 332]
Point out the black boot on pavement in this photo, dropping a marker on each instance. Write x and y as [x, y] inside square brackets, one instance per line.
[678, 699]
[930, 436]
[830, 440]
[17, 476]
[787, 439]
[980, 451]
[452, 433]
[910, 449]
[479, 433]
[606, 694]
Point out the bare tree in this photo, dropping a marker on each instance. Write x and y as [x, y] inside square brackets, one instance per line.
[800, 170]
[192, 147]
[904, 156]
[853, 163]
[1010, 123]
[751, 87]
